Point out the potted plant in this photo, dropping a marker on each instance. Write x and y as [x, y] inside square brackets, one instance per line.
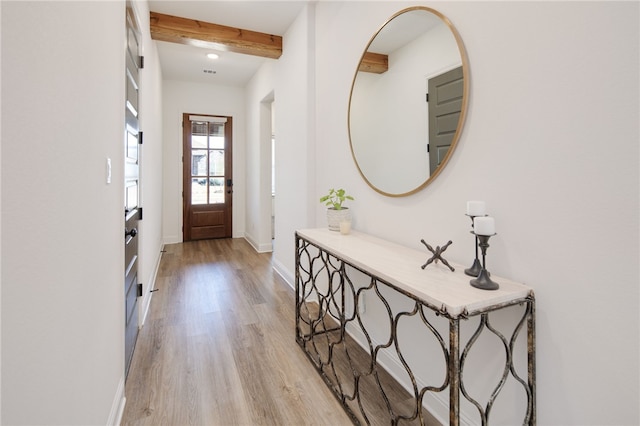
[336, 213]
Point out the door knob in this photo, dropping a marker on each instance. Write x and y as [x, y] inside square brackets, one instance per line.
[131, 233]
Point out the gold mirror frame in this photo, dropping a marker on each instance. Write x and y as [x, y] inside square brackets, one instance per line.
[463, 111]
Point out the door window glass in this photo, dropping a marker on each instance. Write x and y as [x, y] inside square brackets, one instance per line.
[207, 162]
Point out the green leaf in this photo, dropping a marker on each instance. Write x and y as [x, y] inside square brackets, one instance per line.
[335, 198]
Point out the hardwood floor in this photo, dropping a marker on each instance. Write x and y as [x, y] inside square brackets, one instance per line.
[218, 346]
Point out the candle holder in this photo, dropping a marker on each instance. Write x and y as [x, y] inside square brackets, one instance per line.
[475, 269]
[484, 280]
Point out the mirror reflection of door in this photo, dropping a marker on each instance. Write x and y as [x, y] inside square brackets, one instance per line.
[445, 103]
[207, 177]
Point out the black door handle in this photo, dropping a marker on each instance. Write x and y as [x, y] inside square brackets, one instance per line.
[132, 233]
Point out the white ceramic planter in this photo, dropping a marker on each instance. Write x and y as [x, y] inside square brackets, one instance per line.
[334, 217]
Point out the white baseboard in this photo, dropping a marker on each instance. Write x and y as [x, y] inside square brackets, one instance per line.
[279, 268]
[171, 239]
[146, 299]
[117, 408]
[259, 247]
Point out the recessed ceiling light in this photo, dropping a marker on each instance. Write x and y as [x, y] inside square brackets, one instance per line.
[212, 56]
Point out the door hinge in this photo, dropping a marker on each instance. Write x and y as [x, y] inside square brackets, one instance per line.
[428, 146]
[140, 137]
[140, 208]
[427, 97]
[141, 62]
[139, 290]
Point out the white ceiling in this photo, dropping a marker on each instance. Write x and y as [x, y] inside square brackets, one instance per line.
[187, 63]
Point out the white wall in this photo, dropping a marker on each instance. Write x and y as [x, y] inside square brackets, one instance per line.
[0, 231]
[151, 240]
[62, 286]
[551, 144]
[62, 224]
[259, 99]
[295, 152]
[182, 97]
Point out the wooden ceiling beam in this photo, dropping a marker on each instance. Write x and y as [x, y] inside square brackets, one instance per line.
[374, 62]
[219, 37]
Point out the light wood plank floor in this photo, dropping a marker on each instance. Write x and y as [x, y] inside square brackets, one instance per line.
[218, 346]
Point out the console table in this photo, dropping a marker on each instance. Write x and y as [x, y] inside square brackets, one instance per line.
[334, 272]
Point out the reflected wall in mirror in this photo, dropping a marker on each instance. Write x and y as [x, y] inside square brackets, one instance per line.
[394, 131]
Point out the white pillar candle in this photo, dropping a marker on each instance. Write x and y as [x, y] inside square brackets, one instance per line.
[475, 208]
[484, 225]
[345, 227]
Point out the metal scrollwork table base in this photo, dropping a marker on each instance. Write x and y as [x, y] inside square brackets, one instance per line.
[348, 342]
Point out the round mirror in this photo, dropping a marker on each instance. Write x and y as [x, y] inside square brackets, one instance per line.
[408, 101]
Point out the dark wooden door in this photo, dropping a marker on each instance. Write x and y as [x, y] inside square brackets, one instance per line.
[207, 177]
[132, 210]
[445, 103]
